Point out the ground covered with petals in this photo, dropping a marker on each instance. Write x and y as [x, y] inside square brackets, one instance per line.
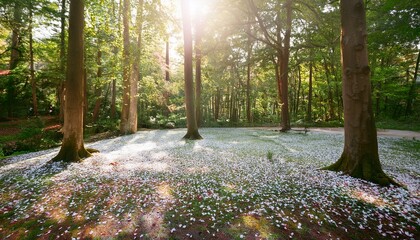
[233, 184]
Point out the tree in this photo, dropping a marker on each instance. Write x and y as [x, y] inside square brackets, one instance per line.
[360, 156]
[72, 147]
[198, 57]
[192, 129]
[136, 69]
[31, 60]
[131, 70]
[125, 112]
[61, 87]
[280, 42]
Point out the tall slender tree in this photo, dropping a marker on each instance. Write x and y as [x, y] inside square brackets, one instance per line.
[136, 69]
[72, 147]
[192, 128]
[198, 80]
[61, 88]
[360, 156]
[125, 112]
[31, 60]
[280, 42]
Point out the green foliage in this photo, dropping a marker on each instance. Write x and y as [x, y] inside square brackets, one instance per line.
[270, 156]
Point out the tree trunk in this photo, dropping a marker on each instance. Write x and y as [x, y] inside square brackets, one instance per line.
[85, 97]
[192, 129]
[98, 91]
[72, 147]
[31, 61]
[217, 104]
[166, 93]
[136, 70]
[248, 79]
[331, 112]
[14, 57]
[298, 91]
[284, 70]
[360, 157]
[198, 85]
[114, 99]
[61, 87]
[125, 112]
[412, 92]
[309, 110]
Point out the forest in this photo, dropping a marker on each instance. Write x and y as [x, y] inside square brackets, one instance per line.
[209, 119]
[235, 58]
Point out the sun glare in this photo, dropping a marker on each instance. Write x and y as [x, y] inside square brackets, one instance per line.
[199, 7]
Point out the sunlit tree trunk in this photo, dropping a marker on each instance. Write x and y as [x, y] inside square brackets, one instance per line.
[198, 85]
[166, 93]
[360, 157]
[136, 70]
[72, 147]
[192, 129]
[125, 112]
[98, 90]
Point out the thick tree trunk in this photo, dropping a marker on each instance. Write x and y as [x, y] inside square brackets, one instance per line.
[360, 157]
[72, 148]
[192, 129]
[125, 112]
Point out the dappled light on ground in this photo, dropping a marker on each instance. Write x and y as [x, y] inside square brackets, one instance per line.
[236, 183]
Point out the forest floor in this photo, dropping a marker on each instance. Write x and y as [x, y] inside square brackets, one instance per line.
[234, 184]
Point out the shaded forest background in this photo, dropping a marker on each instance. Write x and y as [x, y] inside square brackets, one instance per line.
[238, 74]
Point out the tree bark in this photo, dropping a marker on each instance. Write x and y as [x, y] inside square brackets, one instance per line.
[412, 91]
[298, 91]
[309, 110]
[114, 99]
[98, 91]
[61, 87]
[125, 112]
[360, 157]
[136, 70]
[248, 77]
[192, 128]
[72, 147]
[14, 57]
[198, 85]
